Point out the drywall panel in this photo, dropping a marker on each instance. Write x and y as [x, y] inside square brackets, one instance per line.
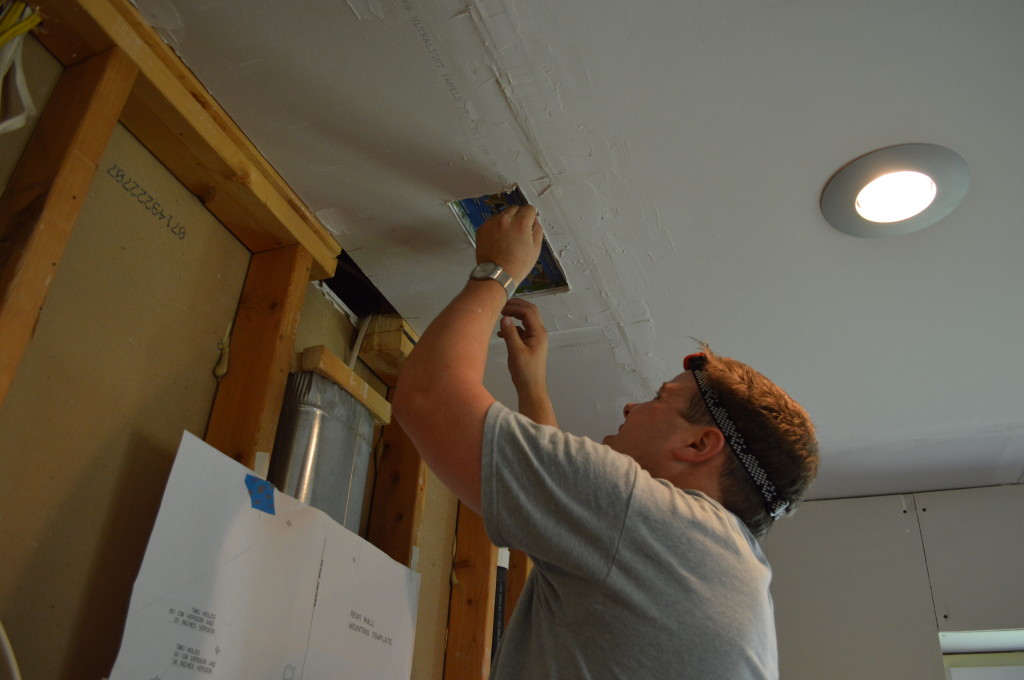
[121, 362]
[973, 540]
[851, 592]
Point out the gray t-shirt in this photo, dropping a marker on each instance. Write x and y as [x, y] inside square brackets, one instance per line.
[633, 577]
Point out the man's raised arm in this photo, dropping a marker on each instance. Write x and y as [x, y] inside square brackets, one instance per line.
[440, 399]
[528, 360]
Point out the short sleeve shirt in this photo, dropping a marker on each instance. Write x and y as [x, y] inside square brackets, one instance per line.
[633, 577]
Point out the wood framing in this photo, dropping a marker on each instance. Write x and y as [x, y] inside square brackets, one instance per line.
[140, 81]
[46, 192]
[118, 68]
[398, 497]
[174, 116]
[323, 362]
[389, 340]
[471, 614]
[398, 493]
[248, 402]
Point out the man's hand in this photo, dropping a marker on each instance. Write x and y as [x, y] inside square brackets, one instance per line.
[527, 346]
[440, 400]
[512, 239]
[527, 359]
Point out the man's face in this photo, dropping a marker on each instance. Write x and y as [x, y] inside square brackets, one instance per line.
[652, 429]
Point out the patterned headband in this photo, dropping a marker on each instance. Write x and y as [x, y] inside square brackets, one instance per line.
[775, 504]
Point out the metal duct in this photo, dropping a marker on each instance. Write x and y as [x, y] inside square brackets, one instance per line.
[322, 449]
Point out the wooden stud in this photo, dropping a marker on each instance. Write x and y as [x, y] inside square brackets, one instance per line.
[248, 402]
[174, 116]
[398, 497]
[398, 493]
[323, 362]
[471, 612]
[44, 196]
[389, 340]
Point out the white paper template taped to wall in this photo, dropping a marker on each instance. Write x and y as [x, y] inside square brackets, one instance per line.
[242, 581]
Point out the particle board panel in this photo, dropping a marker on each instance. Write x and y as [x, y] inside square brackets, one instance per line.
[972, 538]
[121, 362]
[850, 586]
[323, 324]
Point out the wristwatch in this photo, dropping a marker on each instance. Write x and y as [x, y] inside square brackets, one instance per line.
[491, 270]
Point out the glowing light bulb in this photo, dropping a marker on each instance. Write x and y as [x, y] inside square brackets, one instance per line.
[896, 196]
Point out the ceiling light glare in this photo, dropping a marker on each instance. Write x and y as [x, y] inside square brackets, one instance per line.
[919, 185]
[896, 196]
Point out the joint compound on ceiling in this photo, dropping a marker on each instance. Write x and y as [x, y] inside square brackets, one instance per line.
[523, 103]
[579, 177]
[440, 63]
[366, 10]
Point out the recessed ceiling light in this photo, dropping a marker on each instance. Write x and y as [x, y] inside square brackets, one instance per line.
[895, 190]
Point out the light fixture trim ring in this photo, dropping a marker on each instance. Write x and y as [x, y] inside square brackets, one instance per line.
[946, 168]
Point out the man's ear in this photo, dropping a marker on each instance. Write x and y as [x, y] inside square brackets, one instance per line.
[703, 445]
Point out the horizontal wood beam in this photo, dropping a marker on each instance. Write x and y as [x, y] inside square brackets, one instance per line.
[46, 192]
[174, 116]
[323, 362]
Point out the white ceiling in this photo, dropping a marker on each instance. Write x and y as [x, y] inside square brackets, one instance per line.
[676, 151]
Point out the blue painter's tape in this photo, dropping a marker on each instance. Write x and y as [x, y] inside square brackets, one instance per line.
[261, 493]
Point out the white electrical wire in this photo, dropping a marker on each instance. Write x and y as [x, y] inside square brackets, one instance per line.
[10, 663]
[364, 326]
[11, 57]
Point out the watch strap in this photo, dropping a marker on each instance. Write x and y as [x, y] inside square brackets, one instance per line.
[495, 272]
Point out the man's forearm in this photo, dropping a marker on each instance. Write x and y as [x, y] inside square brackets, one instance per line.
[536, 405]
[440, 399]
[454, 347]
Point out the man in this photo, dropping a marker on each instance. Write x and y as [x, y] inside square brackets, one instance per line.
[646, 563]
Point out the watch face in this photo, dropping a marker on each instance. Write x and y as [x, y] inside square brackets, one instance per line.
[483, 270]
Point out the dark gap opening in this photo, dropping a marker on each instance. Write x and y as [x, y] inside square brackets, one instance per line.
[356, 290]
